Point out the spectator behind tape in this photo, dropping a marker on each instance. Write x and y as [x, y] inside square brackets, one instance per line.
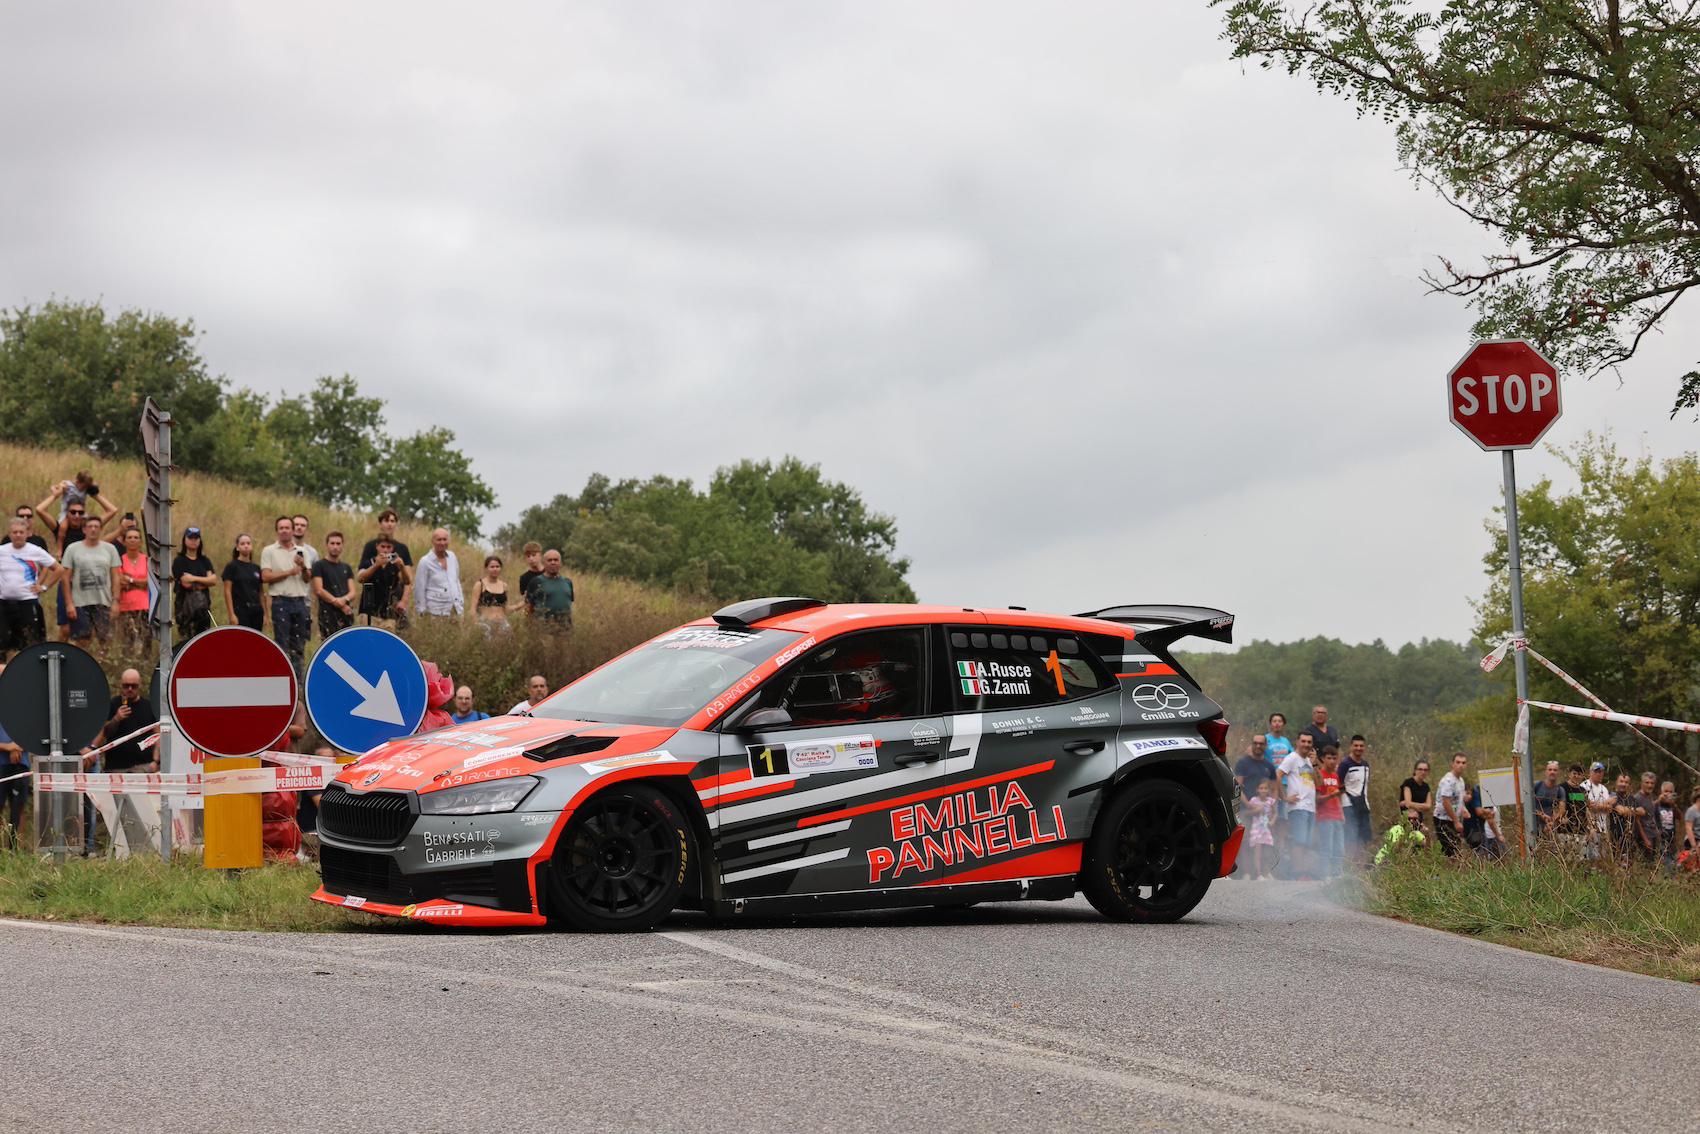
[193, 578]
[462, 711]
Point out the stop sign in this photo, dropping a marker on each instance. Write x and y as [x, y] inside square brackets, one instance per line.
[232, 691]
[1504, 395]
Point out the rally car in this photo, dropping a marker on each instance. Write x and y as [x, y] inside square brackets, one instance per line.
[786, 755]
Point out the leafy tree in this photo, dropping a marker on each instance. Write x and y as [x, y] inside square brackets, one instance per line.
[1397, 699]
[1611, 589]
[758, 529]
[425, 477]
[333, 442]
[238, 443]
[1568, 129]
[71, 376]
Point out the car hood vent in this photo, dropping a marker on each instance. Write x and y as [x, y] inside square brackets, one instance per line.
[569, 746]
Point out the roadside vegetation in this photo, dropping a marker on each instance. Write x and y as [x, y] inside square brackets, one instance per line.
[1622, 918]
[181, 894]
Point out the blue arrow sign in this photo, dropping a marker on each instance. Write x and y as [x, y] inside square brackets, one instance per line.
[365, 686]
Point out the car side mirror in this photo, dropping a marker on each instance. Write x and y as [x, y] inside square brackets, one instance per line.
[765, 719]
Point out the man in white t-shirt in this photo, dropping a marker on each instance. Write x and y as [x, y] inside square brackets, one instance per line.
[1601, 800]
[1298, 789]
[1452, 805]
[536, 688]
[26, 572]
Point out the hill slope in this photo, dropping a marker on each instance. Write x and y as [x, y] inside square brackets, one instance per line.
[611, 614]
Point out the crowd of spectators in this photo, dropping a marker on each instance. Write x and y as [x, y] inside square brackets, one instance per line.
[1306, 809]
[75, 545]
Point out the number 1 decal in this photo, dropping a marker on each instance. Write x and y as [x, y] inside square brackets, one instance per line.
[1055, 668]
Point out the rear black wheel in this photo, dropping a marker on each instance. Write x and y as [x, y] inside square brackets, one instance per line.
[621, 862]
[1152, 854]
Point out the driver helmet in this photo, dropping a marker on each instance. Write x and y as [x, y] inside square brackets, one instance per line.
[857, 684]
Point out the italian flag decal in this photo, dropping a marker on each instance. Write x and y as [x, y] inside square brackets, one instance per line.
[971, 672]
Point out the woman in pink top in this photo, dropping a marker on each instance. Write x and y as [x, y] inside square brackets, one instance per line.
[133, 583]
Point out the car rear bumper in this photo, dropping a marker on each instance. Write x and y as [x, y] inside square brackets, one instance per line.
[1231, 851]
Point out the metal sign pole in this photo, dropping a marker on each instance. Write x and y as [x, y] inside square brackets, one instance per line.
[1519, 661]
[156, 443]
[56, 750]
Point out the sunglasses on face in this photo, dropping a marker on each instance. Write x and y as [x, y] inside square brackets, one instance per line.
[129, 685]
[74, 512]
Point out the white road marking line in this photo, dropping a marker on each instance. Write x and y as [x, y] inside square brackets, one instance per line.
[231, 692]
[788, 864]
[794, 836]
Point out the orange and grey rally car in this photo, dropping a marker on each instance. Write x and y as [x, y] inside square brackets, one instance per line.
[787, 755]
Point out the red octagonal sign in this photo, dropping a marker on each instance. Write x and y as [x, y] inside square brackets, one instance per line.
[1504, 395]
[232, 691]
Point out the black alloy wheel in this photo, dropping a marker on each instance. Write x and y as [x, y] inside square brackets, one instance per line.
[621, 862]
[1152, 855]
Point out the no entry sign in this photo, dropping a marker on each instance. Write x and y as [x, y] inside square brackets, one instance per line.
[1504, 394]
[232, 691]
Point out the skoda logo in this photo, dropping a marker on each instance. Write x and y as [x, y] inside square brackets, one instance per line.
[1165, 696]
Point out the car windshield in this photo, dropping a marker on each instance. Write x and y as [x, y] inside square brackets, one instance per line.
[666, 681]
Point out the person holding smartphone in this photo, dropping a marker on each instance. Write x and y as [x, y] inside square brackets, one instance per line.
[386, 576]
[286, 570]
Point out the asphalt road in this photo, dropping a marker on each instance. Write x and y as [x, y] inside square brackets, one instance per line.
[1270, 1009]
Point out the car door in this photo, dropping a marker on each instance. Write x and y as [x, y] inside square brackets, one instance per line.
[820, 785]
[1046, 711]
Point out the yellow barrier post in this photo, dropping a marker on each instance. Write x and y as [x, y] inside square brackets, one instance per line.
[232, 822]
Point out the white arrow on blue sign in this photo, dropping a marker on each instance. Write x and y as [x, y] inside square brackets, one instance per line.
[365, 686]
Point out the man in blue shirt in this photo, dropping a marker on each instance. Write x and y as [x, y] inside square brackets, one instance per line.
[463, 712]
[1277, 747]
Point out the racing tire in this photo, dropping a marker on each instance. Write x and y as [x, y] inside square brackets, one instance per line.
[1152, 854]
[621, 862]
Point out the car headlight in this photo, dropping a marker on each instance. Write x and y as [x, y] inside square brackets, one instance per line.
[478, 799]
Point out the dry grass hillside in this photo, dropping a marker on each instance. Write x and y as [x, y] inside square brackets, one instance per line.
[610, 614]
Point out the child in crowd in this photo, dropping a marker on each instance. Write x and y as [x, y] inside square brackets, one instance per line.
[1330, 848]
[1260, 809]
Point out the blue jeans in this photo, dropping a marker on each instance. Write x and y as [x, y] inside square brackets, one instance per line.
[290, 626]
[1330, 846]
[1301, 825]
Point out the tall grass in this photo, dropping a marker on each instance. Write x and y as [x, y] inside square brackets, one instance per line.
[1625, 917]
[146, 891]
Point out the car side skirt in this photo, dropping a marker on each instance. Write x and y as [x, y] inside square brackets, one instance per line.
[1053, 889]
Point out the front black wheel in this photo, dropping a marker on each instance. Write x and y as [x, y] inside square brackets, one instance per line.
[621, 862]
[1152, 854]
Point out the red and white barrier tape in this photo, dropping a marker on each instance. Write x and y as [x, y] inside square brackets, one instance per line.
[235, 781]
[18, 776]
[1521, 742]
[1621, 718]
[122, 739]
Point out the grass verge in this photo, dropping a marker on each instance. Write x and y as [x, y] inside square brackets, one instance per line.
[181, 894]
[1623, 918]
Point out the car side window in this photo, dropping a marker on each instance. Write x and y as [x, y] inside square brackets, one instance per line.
[1008, 669]
[872, 676]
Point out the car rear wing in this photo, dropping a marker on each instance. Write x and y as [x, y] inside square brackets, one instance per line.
[1159, 627]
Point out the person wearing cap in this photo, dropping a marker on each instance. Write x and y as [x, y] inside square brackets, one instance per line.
[192, 582]
[193, 578]
[1601, 802]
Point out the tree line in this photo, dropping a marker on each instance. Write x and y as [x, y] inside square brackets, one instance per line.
[73, 376]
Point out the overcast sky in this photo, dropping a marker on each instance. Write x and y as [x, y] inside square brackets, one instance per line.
[1099, 315]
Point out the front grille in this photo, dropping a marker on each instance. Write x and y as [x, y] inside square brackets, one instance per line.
[376, 878]
[378, 818]
[362, 875]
